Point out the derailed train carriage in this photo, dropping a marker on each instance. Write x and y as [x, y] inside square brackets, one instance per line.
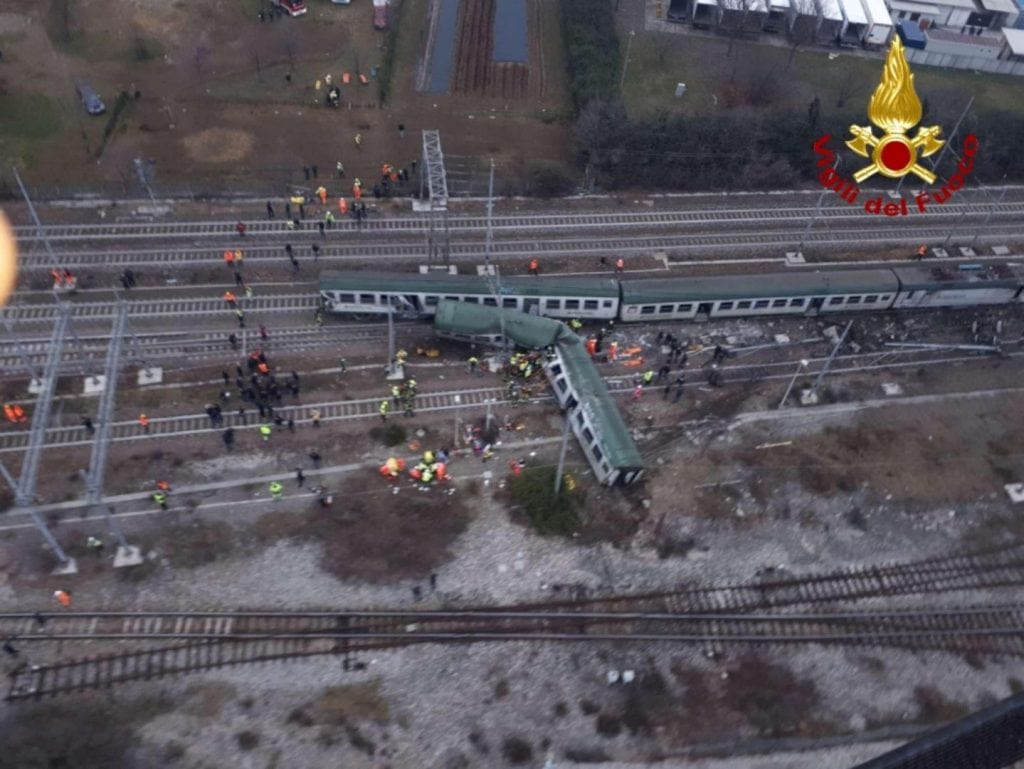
[798, 292]
[577, 384]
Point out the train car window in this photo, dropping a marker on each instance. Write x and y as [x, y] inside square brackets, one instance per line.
[552, 304]
[563, 385]
[556, 368]
[368, 298]
[350, 298]
[452, 298]
[490, 301]
[607, 303]
[910, 294]
[647, 309]
[744, 305]
[853, 300]
[760, 304]
[870, 298]
[685, 308]
[665, 308]
[779, 303]
[725, 305]
[835, 300]
[796, 302]
[431, 301]
[472, 300]
[510, 302]
[599, 456]
[885, 297]
[572, 304]
[588, 435]
[590, 304]
[579, 418]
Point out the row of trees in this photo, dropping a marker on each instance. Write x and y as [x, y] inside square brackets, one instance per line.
[749, 149]
[592, 49]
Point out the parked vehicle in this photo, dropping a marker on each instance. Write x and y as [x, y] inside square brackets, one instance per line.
[380, 14]
[291, 7]
[90, 99]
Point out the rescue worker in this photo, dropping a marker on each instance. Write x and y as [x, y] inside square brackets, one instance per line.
[263, 333]
[474, 364]
[648, 377]
[240, 229]
[228, 436]
[230, 298]
[341, 169]
[270, 210]
[239, 258]
[591, 346]
[322, 194]
[428, 457]
[63, 597]
[9, 413]
[342, 206]
[144, 423]
[329, 218]
[396, 394]
[315, 416]
[534, 267]
[233, 341]
[87, 424]
[160, 498]
[613, 351]
[276, 490]
[300, 477]
[163, 486]
[383, 410]
[359, 141]
[922, 252]
[620, 264]
[265, 431]
[241, 317]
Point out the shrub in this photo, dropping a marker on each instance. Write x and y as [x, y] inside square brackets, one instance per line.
[549, 513]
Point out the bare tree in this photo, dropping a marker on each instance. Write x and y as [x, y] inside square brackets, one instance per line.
[737, 15]
[848, 86]
[802, 26]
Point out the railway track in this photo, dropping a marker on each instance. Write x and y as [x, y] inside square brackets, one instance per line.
[244, 637]
[689, 244]
[419, 225]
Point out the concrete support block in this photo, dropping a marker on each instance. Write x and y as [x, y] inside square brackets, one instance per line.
[127, 556]
[35, 386]
[64, 569]
[794, 258]
[94, 385]
[150, 376]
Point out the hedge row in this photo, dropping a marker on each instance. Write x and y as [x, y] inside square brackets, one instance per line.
[592, 49]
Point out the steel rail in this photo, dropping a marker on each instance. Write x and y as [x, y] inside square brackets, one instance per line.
[507, 249]
[418, 225]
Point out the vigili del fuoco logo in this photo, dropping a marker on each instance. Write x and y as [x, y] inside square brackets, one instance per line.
[894, 110]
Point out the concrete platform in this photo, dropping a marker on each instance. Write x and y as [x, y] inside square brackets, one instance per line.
[940, 253]
[35, 386]
[71, 567]
[395, 373]
[127, 556]
[1001, 250]
[151, 375]
[426, 269]
[94, 385]
[967, 251]
[794, 258]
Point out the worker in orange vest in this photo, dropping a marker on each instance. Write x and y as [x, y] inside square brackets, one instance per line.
[322, 194]
[229, 258]
[613, 351]
[238, 257]
[144, 422]
[19, 413]
[342, 206]
[591, 346]
[9, 413]
[63, 597]
[922, 252]
[230, 298]
[163, 486]
[534, 267]
[620, 264]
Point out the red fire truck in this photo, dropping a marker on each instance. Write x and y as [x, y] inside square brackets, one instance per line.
[291, 7]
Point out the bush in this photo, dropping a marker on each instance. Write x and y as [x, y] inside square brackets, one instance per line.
[548, 180]
[549, 513]
[592, 49]
[516, 750]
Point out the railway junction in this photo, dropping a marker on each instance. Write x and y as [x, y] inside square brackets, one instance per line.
[823, 544]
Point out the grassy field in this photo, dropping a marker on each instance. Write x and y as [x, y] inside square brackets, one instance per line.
[763, 75]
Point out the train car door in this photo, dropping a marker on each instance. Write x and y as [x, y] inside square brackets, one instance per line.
[814, 306]
[531, 306]
[704, 311]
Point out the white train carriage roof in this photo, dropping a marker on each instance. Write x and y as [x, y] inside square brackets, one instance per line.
[764, 286]
[948, 277]
[442, 283]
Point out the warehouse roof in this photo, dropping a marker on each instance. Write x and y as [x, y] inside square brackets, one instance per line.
[527, 330]
[763, 286]
[594, 398]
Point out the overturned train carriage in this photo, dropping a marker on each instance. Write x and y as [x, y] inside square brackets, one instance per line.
[578, 386]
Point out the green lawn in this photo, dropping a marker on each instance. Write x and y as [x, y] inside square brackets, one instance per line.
[762, 75]
[28, 116]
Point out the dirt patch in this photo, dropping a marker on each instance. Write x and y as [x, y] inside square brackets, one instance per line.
[338, 704]
[219, 145]
[207, 698]
[410, 534]
[934, 707]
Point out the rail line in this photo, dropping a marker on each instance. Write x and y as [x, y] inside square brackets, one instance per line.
[419, 225]
[976, 629]
[745, 241]
[366, 408]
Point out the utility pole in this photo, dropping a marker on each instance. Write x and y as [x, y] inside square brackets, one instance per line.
[561, 453]
[25, 487]
[828, 363]
[800, 367]
[140, 171]
[991, 211]
[127, 555]
[35, 220]
[491, 271]
[625, 61]
[817, 210]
